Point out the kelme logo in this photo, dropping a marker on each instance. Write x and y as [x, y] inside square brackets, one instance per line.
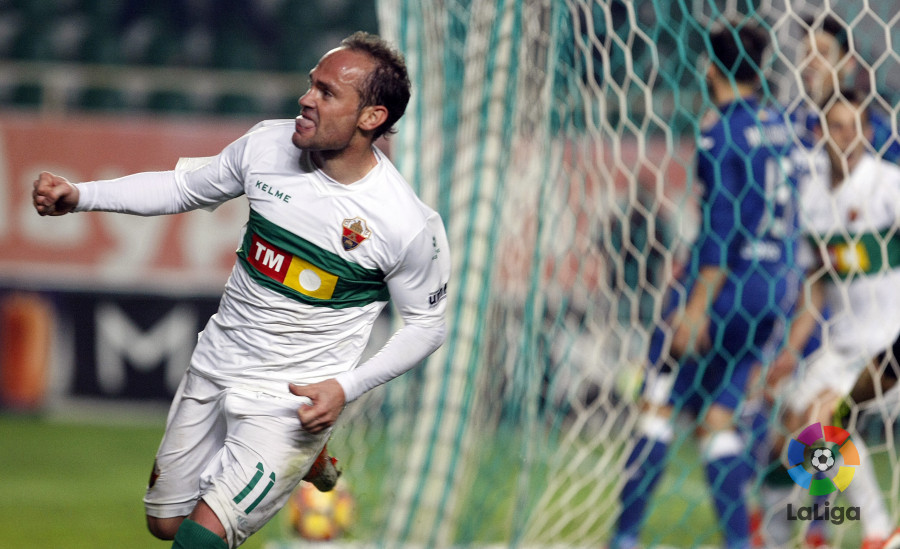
[815, 452]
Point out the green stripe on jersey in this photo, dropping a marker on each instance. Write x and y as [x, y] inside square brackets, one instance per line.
[862, 254]
[300, 270]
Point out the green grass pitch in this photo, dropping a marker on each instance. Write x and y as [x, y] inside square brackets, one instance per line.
[73, 485]
[79, 484]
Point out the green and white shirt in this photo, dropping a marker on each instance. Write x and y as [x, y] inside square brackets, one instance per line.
[317, 262]
[854, 231]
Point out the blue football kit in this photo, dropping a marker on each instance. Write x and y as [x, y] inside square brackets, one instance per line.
[748, 228]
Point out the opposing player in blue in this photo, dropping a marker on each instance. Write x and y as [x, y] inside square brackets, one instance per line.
[740, 284]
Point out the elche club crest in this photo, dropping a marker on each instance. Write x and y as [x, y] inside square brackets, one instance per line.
[354, 232]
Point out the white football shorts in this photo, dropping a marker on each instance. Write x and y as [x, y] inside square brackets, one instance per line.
[824, 370]
[241, 450]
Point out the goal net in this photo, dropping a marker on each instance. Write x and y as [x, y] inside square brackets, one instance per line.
[557, 139]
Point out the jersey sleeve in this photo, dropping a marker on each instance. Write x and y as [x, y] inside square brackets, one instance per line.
[194, 183]
[419, 282]
[418, 287]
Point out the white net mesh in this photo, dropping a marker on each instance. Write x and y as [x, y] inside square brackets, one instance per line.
[557, 139]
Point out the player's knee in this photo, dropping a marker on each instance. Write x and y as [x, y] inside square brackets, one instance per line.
[164, 528]
[655, 427]
[721, 444]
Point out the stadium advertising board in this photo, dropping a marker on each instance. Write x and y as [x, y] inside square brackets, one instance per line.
[127, 294]
[191, 252]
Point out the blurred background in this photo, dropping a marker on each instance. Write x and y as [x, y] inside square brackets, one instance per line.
[200, 57]
[555, 137]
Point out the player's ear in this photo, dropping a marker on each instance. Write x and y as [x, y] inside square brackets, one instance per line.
[868, 131]
[372, 116]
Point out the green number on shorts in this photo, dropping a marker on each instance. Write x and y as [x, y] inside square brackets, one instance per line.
[253, 482]
[262, 495]
[260, 471]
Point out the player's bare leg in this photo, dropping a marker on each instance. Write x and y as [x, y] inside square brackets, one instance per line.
[201, 528]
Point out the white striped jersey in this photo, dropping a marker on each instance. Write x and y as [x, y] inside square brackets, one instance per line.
[854, 227]
[317, 262]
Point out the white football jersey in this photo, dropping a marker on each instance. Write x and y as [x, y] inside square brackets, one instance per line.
[854, 227]
[317, 262]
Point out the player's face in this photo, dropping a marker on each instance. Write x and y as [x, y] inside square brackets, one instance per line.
[846, 137]
[822, 66]
[330, 109]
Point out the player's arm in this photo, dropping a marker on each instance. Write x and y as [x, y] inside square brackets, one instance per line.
[691, 326]
[418, 291]
[804, 324]
[150, 193]
[418, 287]
[146, 194]
[195, 183]
[720, 229]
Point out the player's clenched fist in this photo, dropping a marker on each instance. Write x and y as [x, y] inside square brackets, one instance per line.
[54, 195]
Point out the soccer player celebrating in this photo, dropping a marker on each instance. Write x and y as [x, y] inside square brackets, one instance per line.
[851, 212]
[334, 232]
[740, 283]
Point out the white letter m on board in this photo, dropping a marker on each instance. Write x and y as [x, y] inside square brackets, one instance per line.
[172, 338]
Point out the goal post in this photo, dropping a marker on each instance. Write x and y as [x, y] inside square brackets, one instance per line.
[557, 140]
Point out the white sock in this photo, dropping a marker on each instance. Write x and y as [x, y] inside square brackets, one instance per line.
[864, 492]
[776, 528]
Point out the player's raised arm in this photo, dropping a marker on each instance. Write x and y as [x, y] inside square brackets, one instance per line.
[54, 195]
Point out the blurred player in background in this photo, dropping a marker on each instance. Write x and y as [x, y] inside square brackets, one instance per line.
[851, 212]
[827, 66]
[334, 232]
[741, 282]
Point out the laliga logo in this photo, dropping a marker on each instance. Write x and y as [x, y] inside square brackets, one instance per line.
[822, 459]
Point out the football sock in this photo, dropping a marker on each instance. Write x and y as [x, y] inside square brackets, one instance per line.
[647, 463]
[754, 426]
[776, 530]
[865, 493]
[191, 535]
[644, 468]
[728, 469]
[818, 524]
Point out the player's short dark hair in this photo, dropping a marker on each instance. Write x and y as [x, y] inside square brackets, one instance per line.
[388, 85]
[852, 95]
[833, 26]
[738, 50]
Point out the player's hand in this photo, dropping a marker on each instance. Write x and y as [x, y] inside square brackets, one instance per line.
[690, 335]
[328, 401]
[780, 369]
[54, 195]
